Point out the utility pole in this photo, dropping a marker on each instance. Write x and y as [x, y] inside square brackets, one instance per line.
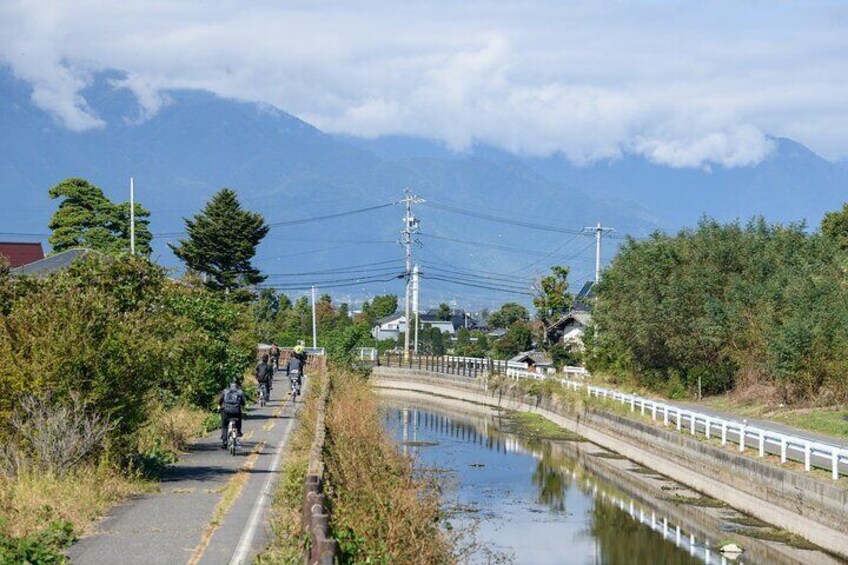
[411, 225]
[314, 320]
[132, 217]
[599, 232]
[416, 282]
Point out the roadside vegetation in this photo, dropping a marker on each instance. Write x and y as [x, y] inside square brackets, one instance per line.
[381, 510]
[757, 309]
[110, 369]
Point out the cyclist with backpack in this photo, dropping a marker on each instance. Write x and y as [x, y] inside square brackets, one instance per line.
[230, 402]
[275, 356]
[294, 371]
[265, 374]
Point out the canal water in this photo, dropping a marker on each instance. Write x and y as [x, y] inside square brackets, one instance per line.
[530, 501]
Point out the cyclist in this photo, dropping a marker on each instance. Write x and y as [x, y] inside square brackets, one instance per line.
[230, 402]
[265, 374]
[300, 353]
[275, 356]
[294, 371]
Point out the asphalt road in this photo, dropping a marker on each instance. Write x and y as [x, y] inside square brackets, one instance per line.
[211, 507]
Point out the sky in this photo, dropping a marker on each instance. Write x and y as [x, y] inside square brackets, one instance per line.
[684, 84]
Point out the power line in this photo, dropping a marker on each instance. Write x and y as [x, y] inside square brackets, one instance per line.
[472, 280]
[475, 273]
[491, 218]
[469, 284]
[350, 268]
[483, 244]
[300, 221]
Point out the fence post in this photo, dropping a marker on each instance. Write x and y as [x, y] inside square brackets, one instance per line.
[419, 362]
[835, 459]
[741, 438]
[807, 456]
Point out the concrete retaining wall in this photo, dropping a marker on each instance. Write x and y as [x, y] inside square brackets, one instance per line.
[814, 509]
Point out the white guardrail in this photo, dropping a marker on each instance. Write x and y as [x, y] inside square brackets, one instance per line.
[810, 453]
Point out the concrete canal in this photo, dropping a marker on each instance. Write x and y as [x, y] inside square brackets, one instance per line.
[532, 495]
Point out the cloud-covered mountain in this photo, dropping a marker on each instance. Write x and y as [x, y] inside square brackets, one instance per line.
[288, 169]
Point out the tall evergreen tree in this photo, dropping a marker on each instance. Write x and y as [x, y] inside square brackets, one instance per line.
[221, 242]
[86, 218]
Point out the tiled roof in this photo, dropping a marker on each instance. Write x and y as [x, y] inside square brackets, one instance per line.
[21, 253]
[53, 263]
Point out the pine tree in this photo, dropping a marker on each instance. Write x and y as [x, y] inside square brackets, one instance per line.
[86, 218]
[221, 242]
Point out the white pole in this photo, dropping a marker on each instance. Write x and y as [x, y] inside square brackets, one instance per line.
[598, 233]
[314, 321]
[132, 217]
[416, 281]
[408, 242]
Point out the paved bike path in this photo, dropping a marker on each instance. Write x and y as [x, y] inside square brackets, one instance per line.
[175, 524]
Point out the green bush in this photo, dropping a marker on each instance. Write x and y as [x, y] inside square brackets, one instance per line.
[729, 304]
[124, 337]
[42, 548]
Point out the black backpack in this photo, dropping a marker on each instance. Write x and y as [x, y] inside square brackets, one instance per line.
[232, 401]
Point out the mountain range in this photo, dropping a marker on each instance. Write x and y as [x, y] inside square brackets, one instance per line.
[287, 169]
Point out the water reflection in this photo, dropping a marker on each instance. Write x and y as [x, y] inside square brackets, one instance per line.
[536, 500]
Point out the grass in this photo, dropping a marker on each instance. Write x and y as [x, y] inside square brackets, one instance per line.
[778, 535]
[535, 426]
[382, 511]
[289, 540]
[42, 512]
[749, 521]
[33, 499]
[703, 501]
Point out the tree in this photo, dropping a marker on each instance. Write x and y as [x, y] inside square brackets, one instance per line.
[267, 305]
[86, 218]
[508, 314]
[221, 242]
[834, 226]
[553, 299]
[444, 312]
[518, 338]
[463, 342]
[383, 305]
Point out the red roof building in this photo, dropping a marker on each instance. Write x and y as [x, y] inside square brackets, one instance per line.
[20, 254]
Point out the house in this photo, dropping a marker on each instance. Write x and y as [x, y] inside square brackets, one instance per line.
[536, 361]
[570, 328]
[390, 327]
[21, 253]
[53, 264]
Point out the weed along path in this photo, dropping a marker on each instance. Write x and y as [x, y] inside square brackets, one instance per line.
[210, 508]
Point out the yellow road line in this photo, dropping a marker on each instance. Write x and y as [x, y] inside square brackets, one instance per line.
[232, 491]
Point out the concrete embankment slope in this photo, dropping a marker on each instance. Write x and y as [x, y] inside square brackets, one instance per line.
[814, 509]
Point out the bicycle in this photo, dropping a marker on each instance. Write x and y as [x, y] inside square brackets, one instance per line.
[263, 394]
[232, 437]
[295, 387]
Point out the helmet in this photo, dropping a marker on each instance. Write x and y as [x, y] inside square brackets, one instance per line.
[299, 349]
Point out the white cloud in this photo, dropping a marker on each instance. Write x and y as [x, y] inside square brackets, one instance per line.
[684, 84]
